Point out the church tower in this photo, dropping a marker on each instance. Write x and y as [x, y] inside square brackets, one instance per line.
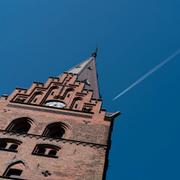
[56, 130]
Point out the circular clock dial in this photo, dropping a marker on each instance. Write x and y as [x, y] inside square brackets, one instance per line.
[56, 104]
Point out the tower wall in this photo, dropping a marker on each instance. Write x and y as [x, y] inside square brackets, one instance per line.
[81, 151]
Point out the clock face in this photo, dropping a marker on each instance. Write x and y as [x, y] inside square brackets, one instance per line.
[56, 104]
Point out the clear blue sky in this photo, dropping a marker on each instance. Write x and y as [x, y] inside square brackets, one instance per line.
[41, 38]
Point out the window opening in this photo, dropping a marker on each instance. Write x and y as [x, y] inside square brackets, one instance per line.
[20, 125]
[55, 130]
[3, 144]
[52, 152]
[47, 150]
[9, 144]
[13, 147]
[14, 172]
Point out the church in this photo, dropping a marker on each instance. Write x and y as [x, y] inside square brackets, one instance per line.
[56, 130]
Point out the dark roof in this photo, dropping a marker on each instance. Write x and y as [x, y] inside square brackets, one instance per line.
[87, 73]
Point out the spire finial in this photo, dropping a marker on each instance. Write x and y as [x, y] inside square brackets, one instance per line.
[94, 54]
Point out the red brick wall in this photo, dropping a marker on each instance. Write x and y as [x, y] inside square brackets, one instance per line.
[83, 147]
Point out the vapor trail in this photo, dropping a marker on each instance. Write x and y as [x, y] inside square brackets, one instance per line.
[153, 70]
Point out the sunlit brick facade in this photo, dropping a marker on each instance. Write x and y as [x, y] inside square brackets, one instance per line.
[56, 130]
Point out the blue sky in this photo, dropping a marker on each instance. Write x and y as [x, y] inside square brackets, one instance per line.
[41, 38]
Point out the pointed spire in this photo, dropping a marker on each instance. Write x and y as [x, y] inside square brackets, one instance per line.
[87, 73]
[94, 54]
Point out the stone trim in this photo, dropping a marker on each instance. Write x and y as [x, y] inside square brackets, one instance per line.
[4, 177]
[4, 132]
[49, 110]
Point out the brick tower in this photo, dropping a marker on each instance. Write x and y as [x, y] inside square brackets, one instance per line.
[56, 130]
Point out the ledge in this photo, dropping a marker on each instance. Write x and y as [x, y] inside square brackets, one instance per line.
[44, 155]
[4, 177]
[50, 109]
[70, 141]
[9, 150]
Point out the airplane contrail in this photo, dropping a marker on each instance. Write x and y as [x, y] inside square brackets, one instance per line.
[150, 72]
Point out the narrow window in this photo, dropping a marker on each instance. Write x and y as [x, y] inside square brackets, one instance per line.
[67, 92]
[35, 96]
[35, 100]
[76, 101]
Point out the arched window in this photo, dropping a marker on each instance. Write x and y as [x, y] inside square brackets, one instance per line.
[20, 125]
[55, 130]
[7, 144]
[46, 150]
[75, 103]
[15, 170]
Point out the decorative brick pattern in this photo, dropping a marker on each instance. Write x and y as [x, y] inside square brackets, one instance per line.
[80, 153]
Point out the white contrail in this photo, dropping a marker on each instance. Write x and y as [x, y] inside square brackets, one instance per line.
[157, 67]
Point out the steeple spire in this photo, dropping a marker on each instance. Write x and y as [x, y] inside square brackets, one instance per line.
[87, 73]
[94, 54]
